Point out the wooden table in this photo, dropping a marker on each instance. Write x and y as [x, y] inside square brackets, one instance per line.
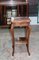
[21, 23]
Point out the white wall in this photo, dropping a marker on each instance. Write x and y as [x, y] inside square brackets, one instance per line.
[33, 20]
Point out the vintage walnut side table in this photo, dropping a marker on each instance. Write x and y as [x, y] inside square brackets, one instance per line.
[21, 23]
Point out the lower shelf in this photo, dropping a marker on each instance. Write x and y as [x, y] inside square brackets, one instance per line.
[22, 40]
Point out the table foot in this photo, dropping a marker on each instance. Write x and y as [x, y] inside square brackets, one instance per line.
[13, 51]
[28, 49]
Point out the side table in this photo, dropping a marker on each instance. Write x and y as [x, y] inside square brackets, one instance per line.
[21, 23]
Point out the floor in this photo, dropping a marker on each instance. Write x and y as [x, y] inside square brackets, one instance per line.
[20, 50]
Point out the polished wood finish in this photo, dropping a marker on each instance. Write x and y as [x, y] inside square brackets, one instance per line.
[21, 23]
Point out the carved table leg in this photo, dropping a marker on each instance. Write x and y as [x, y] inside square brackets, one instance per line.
[12, 35]
[27, 38]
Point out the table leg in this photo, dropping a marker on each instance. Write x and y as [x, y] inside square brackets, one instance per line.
[27, 38]
[12, 35]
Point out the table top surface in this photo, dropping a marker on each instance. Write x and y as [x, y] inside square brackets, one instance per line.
[21, 20]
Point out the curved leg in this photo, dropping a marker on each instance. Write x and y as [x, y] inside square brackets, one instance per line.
[12, 35]
[27, 38]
